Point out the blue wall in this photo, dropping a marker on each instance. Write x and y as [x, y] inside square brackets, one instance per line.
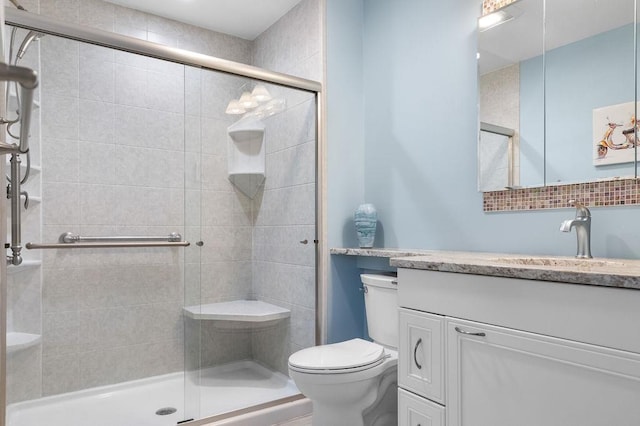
[345, 157]
[531, 122]
[591, 73]
[420, 87]
[420, 120]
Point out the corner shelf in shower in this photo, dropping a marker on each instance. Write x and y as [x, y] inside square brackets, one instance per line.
[17, 341]
[246, 155]
[254, 311]
[24, 266]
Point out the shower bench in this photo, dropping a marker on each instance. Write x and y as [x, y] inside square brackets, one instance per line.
[254, 311]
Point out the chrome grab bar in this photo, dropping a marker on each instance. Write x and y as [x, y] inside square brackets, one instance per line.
[71, 240]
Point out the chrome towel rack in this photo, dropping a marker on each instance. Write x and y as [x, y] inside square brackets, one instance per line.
[69, 240]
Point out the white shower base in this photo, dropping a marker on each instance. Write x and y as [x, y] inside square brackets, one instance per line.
[223, 389]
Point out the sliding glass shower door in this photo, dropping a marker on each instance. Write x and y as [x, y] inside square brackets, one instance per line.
[107, 168]
[251, 167]
[128, 149]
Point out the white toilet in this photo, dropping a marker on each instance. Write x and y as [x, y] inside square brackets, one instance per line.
[353, 383]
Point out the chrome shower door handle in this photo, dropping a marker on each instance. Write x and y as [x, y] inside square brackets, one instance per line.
[415, 354]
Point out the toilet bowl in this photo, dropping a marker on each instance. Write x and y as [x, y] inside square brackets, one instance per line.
[353, 383]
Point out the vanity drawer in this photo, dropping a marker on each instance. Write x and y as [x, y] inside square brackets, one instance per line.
[421, 354]
[416, 411]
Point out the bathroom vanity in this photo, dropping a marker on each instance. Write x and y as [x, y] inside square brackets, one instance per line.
[499, 340]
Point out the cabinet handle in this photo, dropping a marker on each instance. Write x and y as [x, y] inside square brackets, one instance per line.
[468, 333]
[415, 357]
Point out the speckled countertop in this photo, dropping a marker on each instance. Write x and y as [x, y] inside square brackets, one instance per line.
[379, 252]
[622, 273]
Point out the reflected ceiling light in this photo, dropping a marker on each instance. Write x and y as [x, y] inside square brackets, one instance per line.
[493, 19]
[260, 93]
[234, 107]
[247, 101]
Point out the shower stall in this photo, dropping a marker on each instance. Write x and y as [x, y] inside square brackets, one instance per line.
[170, 239]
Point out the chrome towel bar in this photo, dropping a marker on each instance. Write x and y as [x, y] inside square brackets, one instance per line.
[71, 240]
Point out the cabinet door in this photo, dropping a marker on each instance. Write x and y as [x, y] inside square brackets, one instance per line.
[416, 411]
[503, 377]
[420, 366]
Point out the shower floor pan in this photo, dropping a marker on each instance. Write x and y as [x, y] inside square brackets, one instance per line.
[225, 388]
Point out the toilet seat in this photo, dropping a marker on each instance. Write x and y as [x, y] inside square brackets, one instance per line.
[344, 357]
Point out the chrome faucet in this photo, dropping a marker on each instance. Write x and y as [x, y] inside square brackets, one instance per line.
[582, 223]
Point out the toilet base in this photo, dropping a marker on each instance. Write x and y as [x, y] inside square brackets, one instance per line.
[376, 406]
[384, 411]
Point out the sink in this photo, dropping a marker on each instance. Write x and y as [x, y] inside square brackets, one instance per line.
[560, 262]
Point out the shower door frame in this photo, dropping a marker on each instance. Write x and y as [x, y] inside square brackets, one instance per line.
[51, 26]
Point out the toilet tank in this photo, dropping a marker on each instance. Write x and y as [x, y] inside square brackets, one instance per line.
[381, 306]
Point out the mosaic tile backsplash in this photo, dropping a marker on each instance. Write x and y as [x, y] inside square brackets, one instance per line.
[490, 6]
[617, 192]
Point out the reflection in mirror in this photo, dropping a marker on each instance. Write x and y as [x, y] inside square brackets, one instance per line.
[589, 90]
[497, 166]
[573, 107]
[505, 57]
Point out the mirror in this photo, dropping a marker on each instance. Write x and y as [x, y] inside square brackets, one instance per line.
[503, 62]
[589, 90]
[565, 87]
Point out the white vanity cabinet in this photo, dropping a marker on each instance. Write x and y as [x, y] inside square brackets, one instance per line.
[499, 376]
[506, 352]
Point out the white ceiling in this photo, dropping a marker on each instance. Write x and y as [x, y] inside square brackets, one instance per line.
[242, 18]
[567, 21]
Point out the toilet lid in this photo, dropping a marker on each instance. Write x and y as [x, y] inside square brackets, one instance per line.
[338, 356]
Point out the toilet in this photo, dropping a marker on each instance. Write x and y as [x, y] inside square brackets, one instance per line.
[354, 383]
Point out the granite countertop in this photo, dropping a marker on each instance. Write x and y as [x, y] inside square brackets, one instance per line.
[622, 273]
[378, 252]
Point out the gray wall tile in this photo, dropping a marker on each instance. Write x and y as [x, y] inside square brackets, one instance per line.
[97, 14]
[97, 121]
[97, 79]
[97, 163]
[59, 66]
[131, 85]
[62, 159]
[24, 379]
[60, 374]
[59, 117]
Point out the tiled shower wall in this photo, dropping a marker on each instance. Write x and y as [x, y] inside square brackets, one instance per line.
[120, 142]
[278, 218]
[283, 267]
[113, 143]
